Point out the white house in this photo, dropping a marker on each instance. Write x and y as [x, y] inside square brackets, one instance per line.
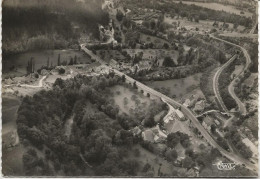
[179, 114]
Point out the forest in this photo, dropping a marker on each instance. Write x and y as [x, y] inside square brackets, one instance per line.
[48, 24]
[99, 135]
[100, 141]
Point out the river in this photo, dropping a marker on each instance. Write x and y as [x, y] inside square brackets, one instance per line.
[20, 61]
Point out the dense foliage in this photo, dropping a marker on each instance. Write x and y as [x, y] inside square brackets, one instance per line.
[48, 24]
[224, 81]
[99, 134]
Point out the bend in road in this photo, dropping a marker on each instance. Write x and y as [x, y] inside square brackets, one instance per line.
[231, 88]
[215, 83]
[35, 86]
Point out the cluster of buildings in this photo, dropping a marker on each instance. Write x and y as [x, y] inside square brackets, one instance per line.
[157, 135]
[154, 135]
[194, 102]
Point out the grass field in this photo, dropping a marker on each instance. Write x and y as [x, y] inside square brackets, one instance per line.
[107, 55]
[9, 109]
[220, 7]
[250, 80]
[158, 42]
[12, 157]
[178, 87]
[238, 70]
[128, 100]
[155, 53]
[12, 161]
[202, 24]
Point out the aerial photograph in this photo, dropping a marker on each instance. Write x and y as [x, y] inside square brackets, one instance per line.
[130, 88]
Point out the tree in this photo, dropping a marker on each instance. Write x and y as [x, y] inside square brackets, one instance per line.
[146, 24]
[189, 152]
[123, 78]
[168, 62]
[119, 15]
[172, 140]
[71, 61]
[61, 71]
[171, 155]
[196, 19]
[213, 128]
[59, 60]
[137, 152]
[75, 59]
[165, 45]
[187, 162]
[149, 121]
[152, 24]
[134, 85]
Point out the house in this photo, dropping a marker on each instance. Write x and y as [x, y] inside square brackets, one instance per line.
[168, 119]
[190, 101]
[186, 103]
[179, 115]
[158, 134]
[136, 131]
[207, 122]
[154, 135]
[148, 135]
[191, 173]
[217, 122]
[113, 62]
[199, 106]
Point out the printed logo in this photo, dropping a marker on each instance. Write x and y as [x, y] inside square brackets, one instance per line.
[225, 166]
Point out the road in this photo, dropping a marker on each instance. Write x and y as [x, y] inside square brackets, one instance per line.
[256, 23]
[188, 114]
[231, 87]
[238, 35]
[35, 86]
[215, 83]
[210, 111]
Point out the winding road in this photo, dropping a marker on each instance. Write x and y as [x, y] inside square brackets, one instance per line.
[231, 87]
[35, 86]
[188, 114]
[215, 83]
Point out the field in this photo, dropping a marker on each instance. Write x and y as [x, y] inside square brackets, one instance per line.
[20, 61]
[250, 80]
[179, 87]
[129, 100]
[107, 55]
[10, 106]
[158, 42]
[202, 24]
[12, 156]
[220, 7]
[155, 53]
[238, 70]
[12, 161]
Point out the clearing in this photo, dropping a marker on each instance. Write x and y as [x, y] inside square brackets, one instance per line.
[220, 7]
[129, 100]
[180, 87]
